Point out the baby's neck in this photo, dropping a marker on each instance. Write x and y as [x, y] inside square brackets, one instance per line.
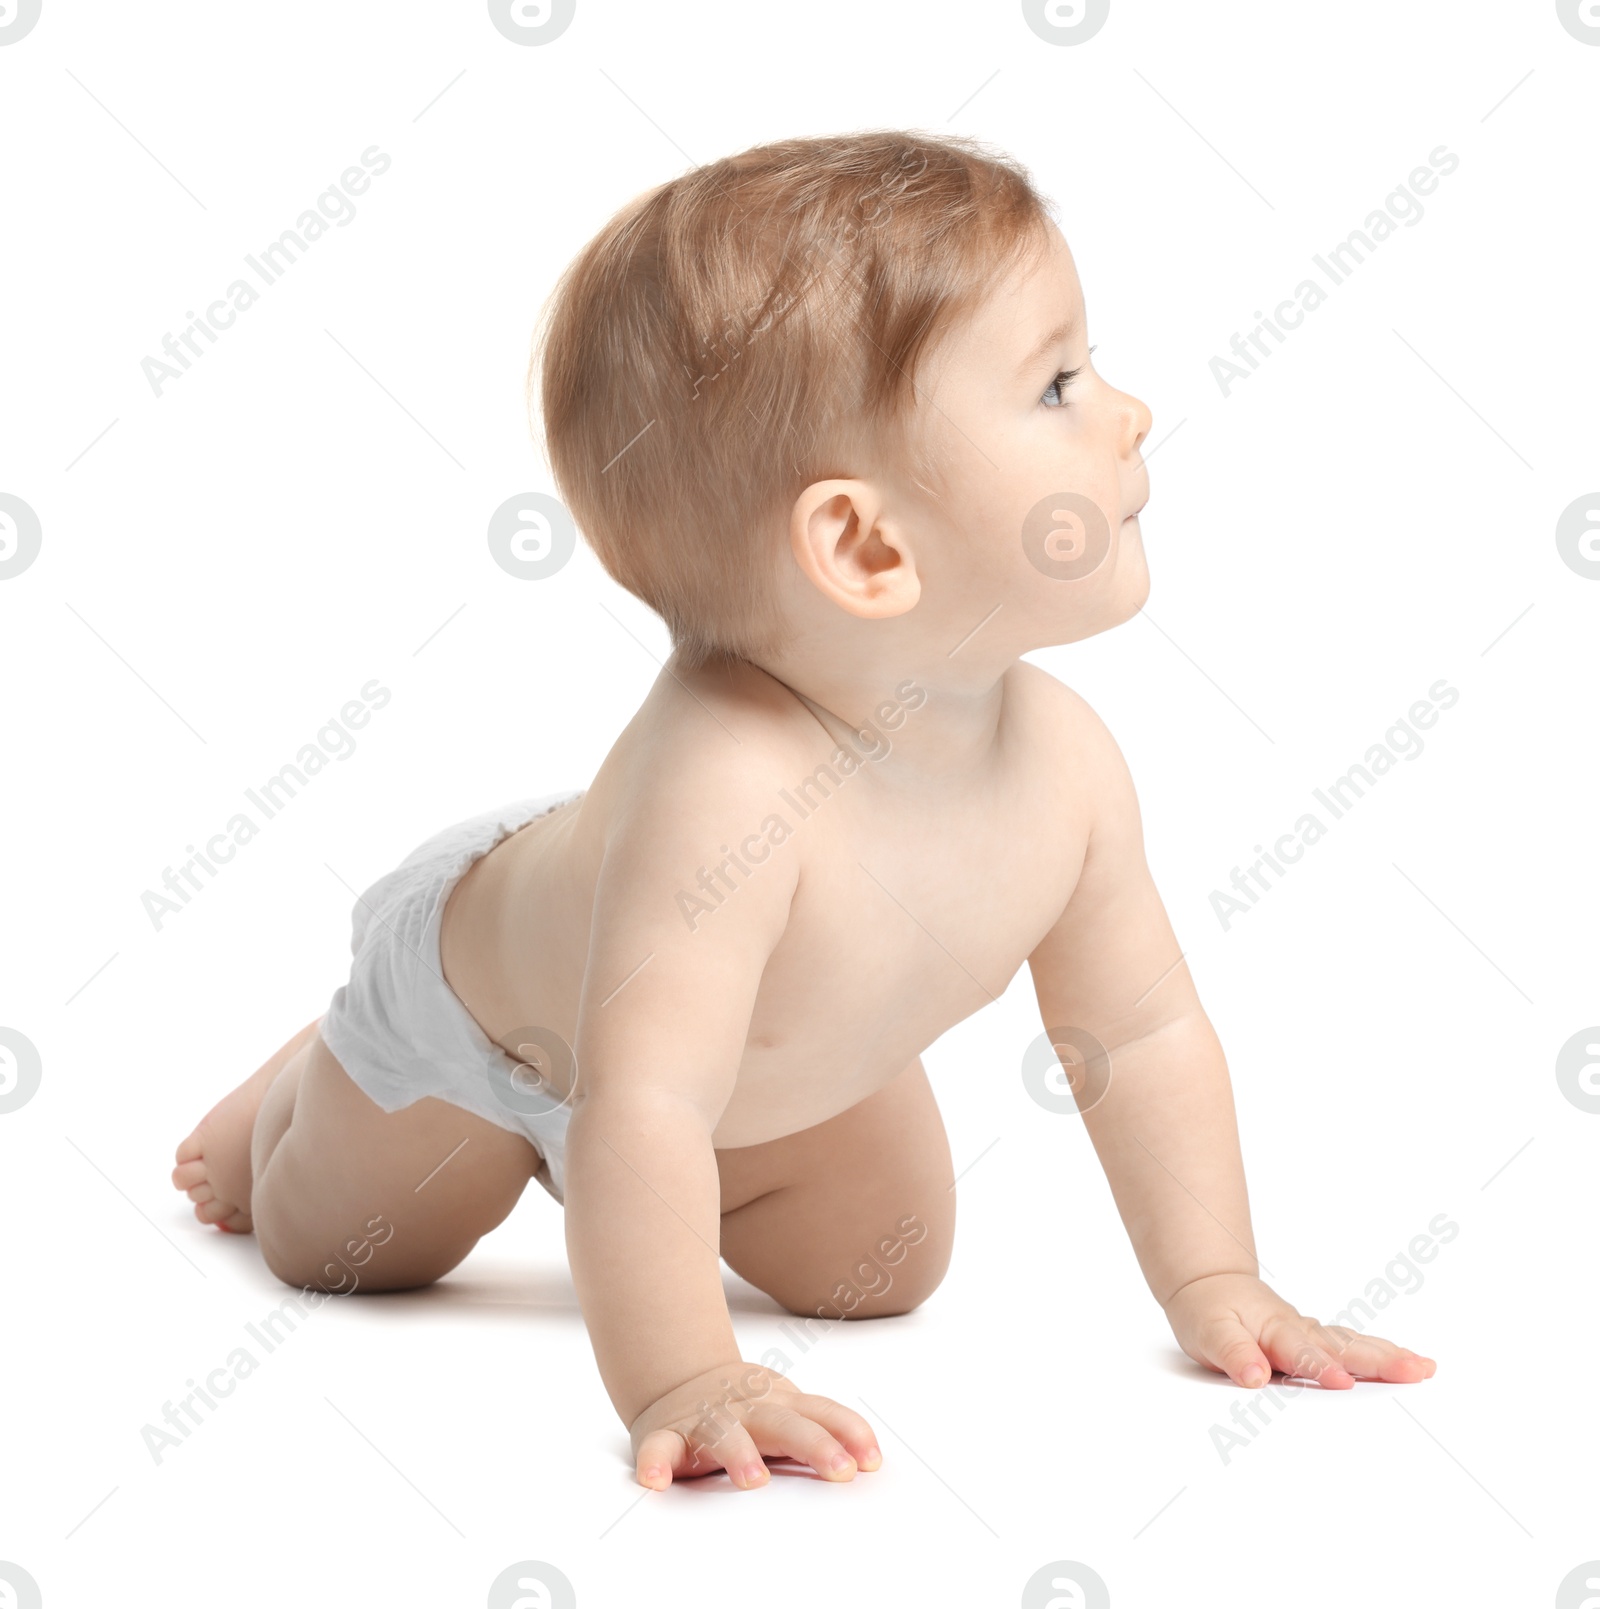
[936, 726]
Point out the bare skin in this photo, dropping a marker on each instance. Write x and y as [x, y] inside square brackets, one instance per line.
[748, 1003]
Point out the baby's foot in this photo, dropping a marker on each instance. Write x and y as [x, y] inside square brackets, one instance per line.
[214, 1162]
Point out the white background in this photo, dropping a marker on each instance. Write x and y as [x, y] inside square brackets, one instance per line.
[224, 566]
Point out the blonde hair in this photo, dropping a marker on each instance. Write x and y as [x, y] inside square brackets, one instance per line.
[746, 329]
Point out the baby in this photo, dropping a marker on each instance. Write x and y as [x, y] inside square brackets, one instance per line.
[828, 407]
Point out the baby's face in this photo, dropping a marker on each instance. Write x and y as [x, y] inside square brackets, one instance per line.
[1041, 466]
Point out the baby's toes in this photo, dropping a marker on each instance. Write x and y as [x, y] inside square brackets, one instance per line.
[201, 1193]
[222, 1213]
[190, 1173]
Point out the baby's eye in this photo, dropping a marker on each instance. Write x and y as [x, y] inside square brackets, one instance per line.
[1058, 386]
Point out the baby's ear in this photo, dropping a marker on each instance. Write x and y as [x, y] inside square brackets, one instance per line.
[851, 551]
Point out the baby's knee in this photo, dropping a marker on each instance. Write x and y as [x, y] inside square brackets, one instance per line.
[905, 1272]
[335, 1276]
[903, 1296]
[294, 1267]
[877, 1291]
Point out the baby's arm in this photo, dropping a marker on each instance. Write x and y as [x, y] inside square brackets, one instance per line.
[1164, 1127]
[662, 1023]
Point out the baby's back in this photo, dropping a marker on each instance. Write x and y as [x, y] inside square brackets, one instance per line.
[810, 908]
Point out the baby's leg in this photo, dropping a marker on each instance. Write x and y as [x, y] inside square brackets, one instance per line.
[345, 1196]
[854, 1217]
[214, 1160]
[335, 1175]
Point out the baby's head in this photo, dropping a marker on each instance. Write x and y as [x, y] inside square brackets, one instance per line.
[831, 398]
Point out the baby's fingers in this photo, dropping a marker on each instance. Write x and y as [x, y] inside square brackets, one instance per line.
[666, 1453]
[659, 1454]
[1230, 1347]
[852, 1431]
[1302, 1349]
[783, 1433]
[1373, 1358]
[737, 1452]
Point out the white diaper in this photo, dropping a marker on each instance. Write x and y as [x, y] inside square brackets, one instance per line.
[401, 1032]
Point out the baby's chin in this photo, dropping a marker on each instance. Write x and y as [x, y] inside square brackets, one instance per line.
[1128, 584]
[1125, 578]
[1124, 585]
[1138, 579]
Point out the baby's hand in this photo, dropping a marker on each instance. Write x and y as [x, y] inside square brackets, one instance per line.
[1241, 1328]
[729, 1416]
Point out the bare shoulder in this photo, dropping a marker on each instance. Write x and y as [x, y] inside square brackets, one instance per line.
[700, 765]
[719, 730]
[1068, 728]
[689, 898]
[1113, 942]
